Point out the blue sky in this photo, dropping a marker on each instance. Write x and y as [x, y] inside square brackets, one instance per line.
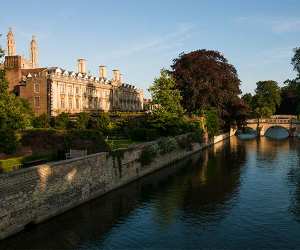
[141, 37]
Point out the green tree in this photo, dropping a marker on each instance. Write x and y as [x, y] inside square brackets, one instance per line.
[102, 122]
[62, 121]
[267, 98]
[212, 122]
[82, 120]
[15, 113]
[41, 121]
[166, 96]
[296, 60]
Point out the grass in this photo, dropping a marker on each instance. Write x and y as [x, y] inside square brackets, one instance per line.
[15, 163]
[119, 143]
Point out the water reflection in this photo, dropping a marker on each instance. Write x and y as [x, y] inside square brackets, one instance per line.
[236, 194]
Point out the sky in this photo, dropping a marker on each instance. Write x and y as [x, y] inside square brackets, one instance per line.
[141, 37]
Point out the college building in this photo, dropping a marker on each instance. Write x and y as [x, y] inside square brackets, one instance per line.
[53, 90]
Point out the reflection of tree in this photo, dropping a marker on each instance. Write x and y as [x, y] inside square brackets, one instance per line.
[204, 184]
[294, 178]
[212, 187]
[268, 149]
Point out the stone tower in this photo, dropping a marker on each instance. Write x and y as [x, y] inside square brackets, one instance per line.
[11, 48]
[33, 53]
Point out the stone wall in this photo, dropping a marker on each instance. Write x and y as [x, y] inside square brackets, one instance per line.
[35, 194]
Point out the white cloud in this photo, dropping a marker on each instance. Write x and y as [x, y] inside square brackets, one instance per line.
[159, 42]
[275, 24]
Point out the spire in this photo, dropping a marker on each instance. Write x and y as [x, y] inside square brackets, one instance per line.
[33, 52]
[11, 48]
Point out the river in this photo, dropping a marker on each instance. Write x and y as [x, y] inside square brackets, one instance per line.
[234, 195]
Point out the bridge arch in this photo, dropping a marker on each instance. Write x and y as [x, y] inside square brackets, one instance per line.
[276, 131]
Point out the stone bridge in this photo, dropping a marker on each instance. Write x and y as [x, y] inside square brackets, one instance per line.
[288, 122]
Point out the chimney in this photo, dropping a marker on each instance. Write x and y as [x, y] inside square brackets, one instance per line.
[81, 66]
[116, 75]
[102, 71]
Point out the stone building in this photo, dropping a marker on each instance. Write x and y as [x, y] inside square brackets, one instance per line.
[54, 90]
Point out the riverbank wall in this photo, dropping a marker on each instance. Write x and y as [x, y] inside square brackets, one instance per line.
[33, 195]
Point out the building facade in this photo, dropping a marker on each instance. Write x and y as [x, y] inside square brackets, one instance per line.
[53, 90]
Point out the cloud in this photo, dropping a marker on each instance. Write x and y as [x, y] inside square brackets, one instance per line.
[286, 26]
[159, 42]
[275, 24]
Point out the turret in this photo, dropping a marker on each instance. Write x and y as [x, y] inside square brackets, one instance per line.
[33, 53]
[11, 47]
[81, 66]
[102, 71]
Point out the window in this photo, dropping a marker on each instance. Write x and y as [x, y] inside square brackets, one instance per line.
[70, 92]
[77, 90]
[77, 103]
[62, 103]
[70, 103]
[36, 87]
[62, 88]
[37, 101]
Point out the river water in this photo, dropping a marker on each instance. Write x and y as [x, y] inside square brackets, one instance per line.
[235, 195]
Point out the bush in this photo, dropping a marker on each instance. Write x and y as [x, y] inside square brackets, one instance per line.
[91, 140]
[197, 136]
[42, 121]
[212, 122]
[44, 140]
[62, 121]
[102, 122]
[143, 134]
[148, 154]
[8, 141]
[167, 144]
[82, 120]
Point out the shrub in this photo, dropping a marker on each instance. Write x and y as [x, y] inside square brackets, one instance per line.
[44, 140]
[143, 134]
[42, 121]
[91, 140]
[101, 121]
[212, 122]
[82, 120]
[8, 141]
[167, 144]
[62, 121]
[197, 136]
[148, 154]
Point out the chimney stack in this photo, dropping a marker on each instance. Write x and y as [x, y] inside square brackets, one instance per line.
[81, 66]
[102, 71]
[116, 75]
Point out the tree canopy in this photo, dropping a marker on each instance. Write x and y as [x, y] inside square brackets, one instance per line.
[165, 95]
[205, 79]
[267, 98]
[296, 60]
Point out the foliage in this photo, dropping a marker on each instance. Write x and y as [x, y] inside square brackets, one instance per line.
[166, 96]
[41, 121]
[148, 154]
[296, 60]
[290, 98]
[82, 120]
[211, 122]
[10, 164]
[102, 122]
[62, 121]
[91, 140]
[8, 141]
[267, 98]
[205, 79]
[167, 144]
[143, 134]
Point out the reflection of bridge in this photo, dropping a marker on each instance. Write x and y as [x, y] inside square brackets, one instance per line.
[288, 122]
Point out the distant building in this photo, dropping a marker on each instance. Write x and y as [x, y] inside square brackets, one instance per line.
[53, 90]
